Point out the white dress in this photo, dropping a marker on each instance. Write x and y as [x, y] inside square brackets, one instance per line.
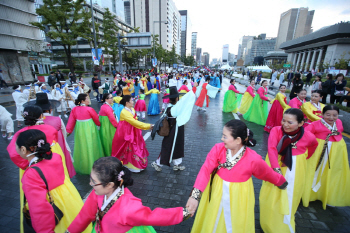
[20, 99]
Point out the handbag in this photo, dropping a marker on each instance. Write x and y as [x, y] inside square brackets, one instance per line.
[164, 128]
[27, 222]
[339, 93]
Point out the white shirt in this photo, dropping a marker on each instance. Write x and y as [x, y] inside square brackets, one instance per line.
[33, 160]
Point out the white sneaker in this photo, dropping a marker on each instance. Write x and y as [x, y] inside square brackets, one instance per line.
[4, 135]
[60, 116]
[204, 109]
[198, 109]
[156, 166]
[9, 138]
[65, 116]
[178, 167]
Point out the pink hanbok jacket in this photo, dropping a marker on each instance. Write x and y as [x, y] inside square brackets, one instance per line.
[108, 111]
[81, 113]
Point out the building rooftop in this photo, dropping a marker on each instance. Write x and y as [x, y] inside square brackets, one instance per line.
[336, 31]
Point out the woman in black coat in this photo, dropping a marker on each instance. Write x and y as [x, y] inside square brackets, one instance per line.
[297, 85]
[338, 88]
[326, 87]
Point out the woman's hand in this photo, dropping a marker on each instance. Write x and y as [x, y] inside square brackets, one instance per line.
[152, 126]
[192, 205]
[195, 84]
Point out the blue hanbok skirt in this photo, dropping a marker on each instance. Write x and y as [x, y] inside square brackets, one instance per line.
[117, 108]
[153, 106]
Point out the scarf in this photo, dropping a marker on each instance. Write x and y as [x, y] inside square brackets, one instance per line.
[76, 90]
[45, 91]
[58, 89]
[286, 145]
[18, 91]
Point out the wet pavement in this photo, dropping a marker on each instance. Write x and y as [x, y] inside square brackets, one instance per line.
[170, 188]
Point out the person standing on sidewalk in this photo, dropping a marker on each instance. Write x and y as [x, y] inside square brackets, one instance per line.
[20, 98]
[95, 83]
[290, 77]
[51, 80]
[6, 123]
[273, 77]
[281, 77]
[2, 80]
[326, 87]
[308, 79]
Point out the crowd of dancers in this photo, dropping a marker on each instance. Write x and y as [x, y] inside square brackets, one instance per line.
[307, 157]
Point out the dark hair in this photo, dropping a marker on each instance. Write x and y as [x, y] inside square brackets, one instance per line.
[184, 82]
[31, 114]
[300, 90]
[338, 75]
[318, 76]
[330, 107]
[126, 98]
[330, 76]
[107, 170]
[173, 100]
[297, 75]
[142, 91]
[136, 81]
[263, 82]
[52, 72]
[95, 75]
[30, 140]
[155, 86]
[252, 81]
[282, 85]
[118, 92]
[239, 129]
[15, 87]
[81, 97]
[318, 92]
[232, 80]
[207, 79]
[105, 97]
[299, 115]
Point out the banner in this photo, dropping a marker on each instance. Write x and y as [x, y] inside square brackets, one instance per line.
[154, 62]
[175, 66]
[94, 58]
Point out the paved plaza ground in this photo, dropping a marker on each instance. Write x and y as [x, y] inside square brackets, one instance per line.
[170, 188]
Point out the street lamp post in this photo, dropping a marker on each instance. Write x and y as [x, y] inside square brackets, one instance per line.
[93, 29]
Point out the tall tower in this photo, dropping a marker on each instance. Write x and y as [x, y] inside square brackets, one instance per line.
[194, 44]
[185, 33]
[294, 23]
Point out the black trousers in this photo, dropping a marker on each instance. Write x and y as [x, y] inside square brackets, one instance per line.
[347, 98]
[324, 98]
[335, 98]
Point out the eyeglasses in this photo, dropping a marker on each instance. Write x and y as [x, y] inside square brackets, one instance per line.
[93, 183]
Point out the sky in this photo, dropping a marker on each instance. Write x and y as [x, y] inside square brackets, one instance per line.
[220, 22]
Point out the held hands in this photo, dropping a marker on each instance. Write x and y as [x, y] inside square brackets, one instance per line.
[151, 127]
[195, 84]
[192, 205]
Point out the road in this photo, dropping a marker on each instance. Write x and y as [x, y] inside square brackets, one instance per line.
[170, 188]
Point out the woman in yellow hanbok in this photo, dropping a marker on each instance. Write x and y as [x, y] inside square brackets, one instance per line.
[313, 109]
[328, 169]
[247, 98]
[228, 201]
[288, 148]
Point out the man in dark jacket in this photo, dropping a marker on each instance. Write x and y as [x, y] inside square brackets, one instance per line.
[51, 80]
[290, 78]
[59, 76]
[326, 87]
[95, 83]
[308, 79]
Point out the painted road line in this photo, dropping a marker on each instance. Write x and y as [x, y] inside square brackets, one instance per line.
[346, 135]
[87, 195]
[146, 136]
[235, 116]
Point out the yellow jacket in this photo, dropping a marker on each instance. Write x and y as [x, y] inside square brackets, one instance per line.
[280, 98]
[125, 115]
[117, 99]
[153, 91]
[310, 111]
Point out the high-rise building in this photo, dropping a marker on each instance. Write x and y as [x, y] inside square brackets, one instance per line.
[199, 56]
[159, 18]
[206, 58]
[127, 11]
[186, 32]
[294, 23]
[239, 51]
[194, 44]
[115, 6]
[18, 38]
[243, 42]
[258, 47]
[225, 53]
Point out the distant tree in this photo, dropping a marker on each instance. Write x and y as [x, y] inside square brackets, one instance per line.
[64, 21]
[342, 63]
[110, 36]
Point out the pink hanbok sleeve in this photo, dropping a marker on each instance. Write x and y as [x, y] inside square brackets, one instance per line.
[251, 91]
[111, 117]
[232, 88]
[184, 87]
[262, 171]
[71, 122]
[94, 116]
[138, 215]
[313, 143]
[272, 147]
[41, 212]
[207, 168]
[14, 156]
[261, 94]
[86, 215]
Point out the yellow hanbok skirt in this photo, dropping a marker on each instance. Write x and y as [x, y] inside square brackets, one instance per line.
[66, 197]
[335, 181]
[274, 202]
[247, 100]
[210, 216]
[182, 91]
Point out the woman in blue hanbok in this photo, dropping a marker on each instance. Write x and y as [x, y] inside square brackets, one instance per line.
[153, 106]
